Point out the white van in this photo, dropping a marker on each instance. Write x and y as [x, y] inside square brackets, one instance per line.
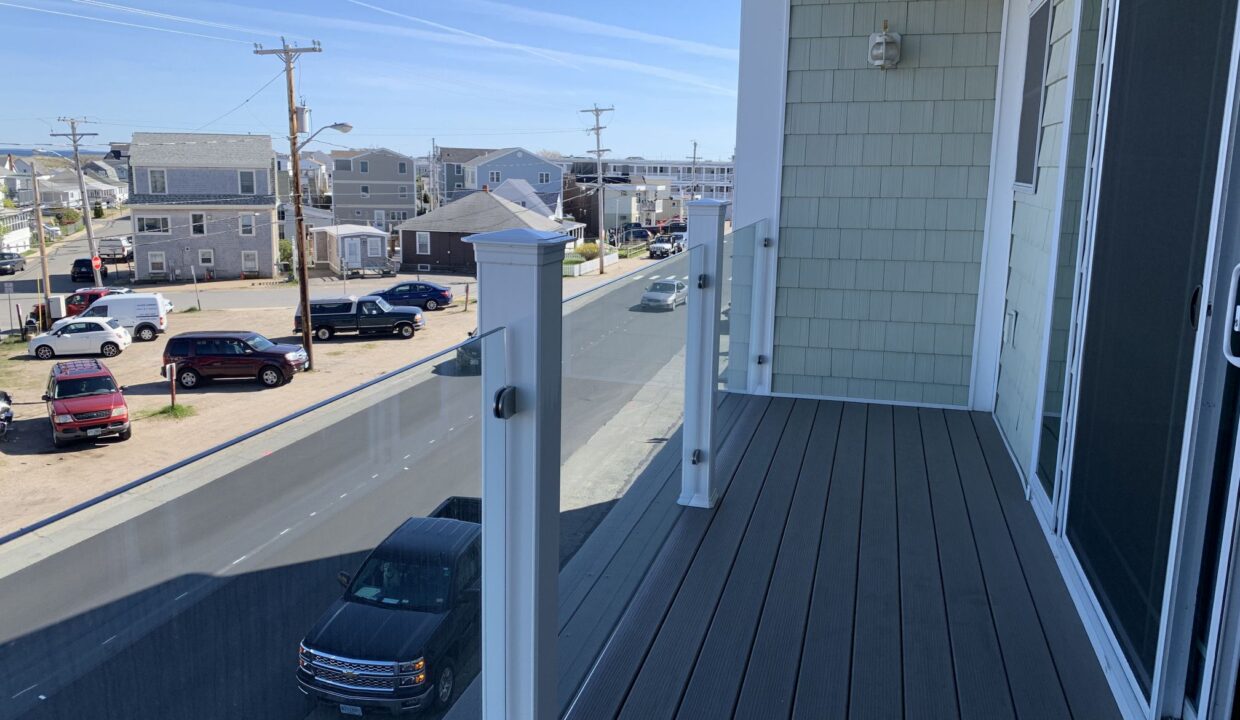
[116, 249]
[144, 315]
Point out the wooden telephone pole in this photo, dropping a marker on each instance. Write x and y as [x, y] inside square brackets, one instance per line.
[76, 137]
[288, 54]
[598, 154]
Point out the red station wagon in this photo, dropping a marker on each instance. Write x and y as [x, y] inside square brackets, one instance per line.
[85, 402]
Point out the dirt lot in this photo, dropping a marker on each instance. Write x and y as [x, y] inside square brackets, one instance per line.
[36, 480]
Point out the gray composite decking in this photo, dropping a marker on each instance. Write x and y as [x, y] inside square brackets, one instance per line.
[865, 561]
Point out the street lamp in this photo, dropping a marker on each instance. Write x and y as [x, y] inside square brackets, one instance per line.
[303, 278]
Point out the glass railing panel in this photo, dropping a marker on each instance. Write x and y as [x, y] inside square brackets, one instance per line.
[735, 325]
[188, 595]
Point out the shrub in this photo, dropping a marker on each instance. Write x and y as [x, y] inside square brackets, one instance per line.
[286, 251]
[588, 251]
[96, 211]
[68, 216]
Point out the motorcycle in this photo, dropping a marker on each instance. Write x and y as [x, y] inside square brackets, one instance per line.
[6, 413]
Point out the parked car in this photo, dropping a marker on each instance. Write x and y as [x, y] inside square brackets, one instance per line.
[51, 231]
[665, 246]
[11, 263]
[675, 226]
[203, 356]
[116, 249]
[84, 401]
[635, 235]
[6, 413]
[81, 336]
[407, 620]
[665, 295]
[368, 314]
[77, 302]
[83, 272]
[426, 295]
[630, 226]
[143, 314]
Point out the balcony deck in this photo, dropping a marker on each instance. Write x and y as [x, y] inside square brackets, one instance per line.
[865, 561]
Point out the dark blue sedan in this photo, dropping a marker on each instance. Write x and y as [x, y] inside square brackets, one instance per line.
[426, 295]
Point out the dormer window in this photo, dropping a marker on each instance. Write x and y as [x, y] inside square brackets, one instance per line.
[245, 179]
[159, 182]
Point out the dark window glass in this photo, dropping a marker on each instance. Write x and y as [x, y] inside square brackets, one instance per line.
[1030, 132]
[178, 348]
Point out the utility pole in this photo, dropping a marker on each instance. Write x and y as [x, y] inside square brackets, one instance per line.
[38, 227]
[434, 177]
[598, 154]
[289, 54]
[76, 136]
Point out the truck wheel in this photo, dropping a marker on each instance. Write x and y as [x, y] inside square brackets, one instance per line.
[431, 304]
[270, 376]
[188, 378]
[57, 442]
[323, 334]
[445, 685]
[110, 350]
[128, 433]
[146, 333]
[44, 352]
[405, 330]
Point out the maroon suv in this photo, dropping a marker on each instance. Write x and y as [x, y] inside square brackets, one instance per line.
[203, 356]
[84, 402]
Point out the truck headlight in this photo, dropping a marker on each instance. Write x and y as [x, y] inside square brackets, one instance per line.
[62, 419]
[407, 668]
[121, 411]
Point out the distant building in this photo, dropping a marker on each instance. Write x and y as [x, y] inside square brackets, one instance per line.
[376, 187]
[705, 179]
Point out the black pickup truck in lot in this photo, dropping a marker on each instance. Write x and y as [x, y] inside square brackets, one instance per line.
[407, 622]
[365, 315]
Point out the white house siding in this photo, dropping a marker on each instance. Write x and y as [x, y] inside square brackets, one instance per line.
[884, 199]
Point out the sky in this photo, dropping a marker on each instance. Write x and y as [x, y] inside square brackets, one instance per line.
[468, 73]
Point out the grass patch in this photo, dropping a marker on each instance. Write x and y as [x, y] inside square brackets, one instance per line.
[190, 309]
[574, 260]
[174, 412]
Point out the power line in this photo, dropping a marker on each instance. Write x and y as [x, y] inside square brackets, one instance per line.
[598, 155]
[242, 103]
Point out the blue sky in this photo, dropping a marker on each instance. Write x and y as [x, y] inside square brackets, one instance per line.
[477, 73]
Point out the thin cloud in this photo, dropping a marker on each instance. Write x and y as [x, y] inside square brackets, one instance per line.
[123, 24]
[573, 24]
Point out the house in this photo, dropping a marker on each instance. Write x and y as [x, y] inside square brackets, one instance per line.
[16, 187]
[315, 184]
[450, 172]
[433, 242]
[688, 179]
[520, 192]
[60, 190]
[15, 234]
[493, 168]
[312, 217]
[101, 170]
[375, 187]
[355, 248]
[99, 189]
[203, 203]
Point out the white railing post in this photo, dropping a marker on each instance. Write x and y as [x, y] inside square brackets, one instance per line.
[698, 486]
[520, 289]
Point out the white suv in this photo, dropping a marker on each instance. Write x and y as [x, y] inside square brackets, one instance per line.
[81, 336]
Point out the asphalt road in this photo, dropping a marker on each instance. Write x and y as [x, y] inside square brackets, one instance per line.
[194, 608]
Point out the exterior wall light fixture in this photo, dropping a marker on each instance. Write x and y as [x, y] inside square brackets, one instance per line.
[884, 49]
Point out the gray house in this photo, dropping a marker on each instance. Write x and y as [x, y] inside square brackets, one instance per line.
[203, 203]
[497, 166]
[450, 172]
[376, 187]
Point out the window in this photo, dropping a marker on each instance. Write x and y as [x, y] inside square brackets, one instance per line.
[280, 214]
[246, 224]
[159, 182]
[198, 224]
[456, 168]
[153, 225]
[357, 213]
[345, 165]
[249, 261]
[423, 243]
[245, 179]
[402, 191]
[1029, 133]
[365, 190]
[423, 267]
[544, 178]
[155, 262]
[402, 168]
[363, 166]
[493, 176]
[206, 257]
[374, 247]
[459, 187]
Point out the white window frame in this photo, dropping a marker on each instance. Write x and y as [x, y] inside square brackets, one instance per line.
[424, 267]
[167, 223]
[544, 178]
[151, 258]
[363, 166]
[197, 227]
[253, 182]
[364, 190]
[374, 246]
[150, 184]
[1030, 185]
[206, 257]
[494, 176]
[422, 243]
[402, 167]
[335, 168]
[402, 191]
[459, 187]
[457, 169]
[246, 263]
[241, 225]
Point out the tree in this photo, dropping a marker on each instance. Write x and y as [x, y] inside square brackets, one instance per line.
[551, 154]
[68, 216]
[9, 204]
[96, 211]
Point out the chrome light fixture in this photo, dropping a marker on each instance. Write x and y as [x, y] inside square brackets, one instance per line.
[884, 49]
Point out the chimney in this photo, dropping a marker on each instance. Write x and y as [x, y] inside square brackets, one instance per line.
[486, 188]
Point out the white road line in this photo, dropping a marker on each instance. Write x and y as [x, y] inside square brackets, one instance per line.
[32, 687]
[684, 277]
[285, 530]
[471, 417]
[406, 457]
[432, 442]
[344, 495]
[105, 642]
[376, 475]
[234, 562]
[178, 597]
[316, 512]
[406, 469]
[451, 429]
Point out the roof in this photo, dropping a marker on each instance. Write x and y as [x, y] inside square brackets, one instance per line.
[520, 191]
[478, 213]
[200, 150]
[351, 153]
[496, 154]
[461, 155]
[339, 230]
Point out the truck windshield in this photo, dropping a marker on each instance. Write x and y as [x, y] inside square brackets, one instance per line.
[383, 304]
[79, 387]
[406, 583]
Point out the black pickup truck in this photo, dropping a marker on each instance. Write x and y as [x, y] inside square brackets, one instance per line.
[407, 620]
[366, 315]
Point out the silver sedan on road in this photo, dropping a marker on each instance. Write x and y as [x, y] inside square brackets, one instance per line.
[665, 295]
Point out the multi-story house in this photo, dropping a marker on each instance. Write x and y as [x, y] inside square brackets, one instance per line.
[315, 183]
[376, 187]
[449, 177]
[203, 203]
[489, 170]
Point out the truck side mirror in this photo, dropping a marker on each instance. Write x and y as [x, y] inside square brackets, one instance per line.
[47, 398]
[343, 578]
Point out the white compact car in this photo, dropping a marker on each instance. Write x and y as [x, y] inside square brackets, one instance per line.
[82, 336]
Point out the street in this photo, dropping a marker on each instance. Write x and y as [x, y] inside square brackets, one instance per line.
[193, 607]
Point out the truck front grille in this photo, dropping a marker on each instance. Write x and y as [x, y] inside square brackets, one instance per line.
[355, 681]
[92, 415]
